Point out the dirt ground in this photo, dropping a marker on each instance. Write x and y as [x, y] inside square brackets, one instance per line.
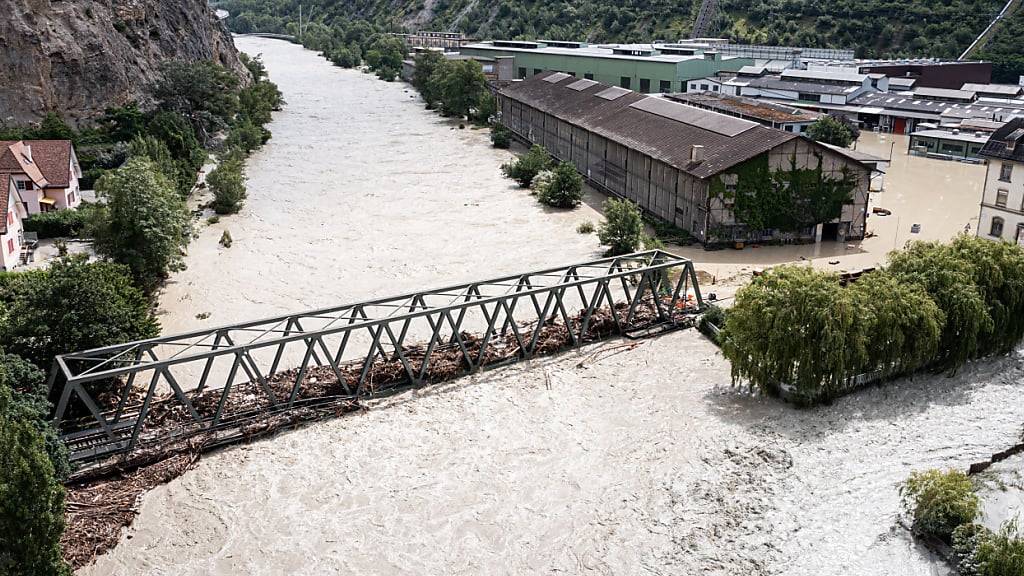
[644, 462]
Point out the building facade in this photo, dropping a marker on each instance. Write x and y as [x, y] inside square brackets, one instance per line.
[642, 67]
[681, 164]
[12, 236]
[1002, 203]
[45, 173]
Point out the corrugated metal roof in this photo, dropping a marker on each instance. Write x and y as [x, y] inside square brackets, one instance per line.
[717, 123]
[654, 134]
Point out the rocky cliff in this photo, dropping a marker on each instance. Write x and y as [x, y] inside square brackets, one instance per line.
[79, 57]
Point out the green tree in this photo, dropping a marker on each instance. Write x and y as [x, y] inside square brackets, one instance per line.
[180, 138]
[564, 189]
[949, 280]
[246, 136]
[74, 305]
[203, 92]
[462, 85]
[424, 79]
[30, 404]
[622, 230]
[227, 183]
[385, 55]
[144, 223]
[795, 326]
[177, 171]
[830, 130]
[501, 137]
[124, 123]
[31, 499]
[53, 128]
[525, 168]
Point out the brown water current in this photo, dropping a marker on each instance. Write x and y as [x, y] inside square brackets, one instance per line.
[598, 461]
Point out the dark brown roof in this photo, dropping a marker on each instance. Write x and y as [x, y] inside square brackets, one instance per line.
[54, 160]
[14, 160]
[996, 147]
[658, 127]
[748, 107]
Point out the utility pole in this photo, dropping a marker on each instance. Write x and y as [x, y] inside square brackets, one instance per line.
[300, 23]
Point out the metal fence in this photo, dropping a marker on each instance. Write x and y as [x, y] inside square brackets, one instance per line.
[121, 398]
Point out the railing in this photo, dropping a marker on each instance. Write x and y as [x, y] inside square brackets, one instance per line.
[230, 380]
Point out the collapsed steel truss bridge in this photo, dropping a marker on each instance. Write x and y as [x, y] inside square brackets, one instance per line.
[128, 397]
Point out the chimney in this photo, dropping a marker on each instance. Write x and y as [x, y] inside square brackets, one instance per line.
[696, 153]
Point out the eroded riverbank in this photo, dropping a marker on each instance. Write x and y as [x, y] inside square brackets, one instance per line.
[645, 461]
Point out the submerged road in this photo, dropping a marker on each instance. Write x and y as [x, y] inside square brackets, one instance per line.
[603, 461]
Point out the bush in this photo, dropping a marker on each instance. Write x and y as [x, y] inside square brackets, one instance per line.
[31, 499]
[623, 228]
[978, 551]
[564, 189]
[585, 227]
[226, 240]
[501, 137]
[525, 168]
[939, 502]
[30, 404]
[228, 186]
[246, 136]
[73, 305]
[831, 130]
[59, 223]
[715, 316]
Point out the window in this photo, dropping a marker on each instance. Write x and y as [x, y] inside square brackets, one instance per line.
[1005, 172]
[693, 86]
[588, 76]
[714, 87]
[788, 127]
[10, 218]
[537, 71]
[624, 81]
[997, 227]
[645, 85]
[10, 245]
[522, 72]
[704, 87]
[808, 97]
[1001, 196]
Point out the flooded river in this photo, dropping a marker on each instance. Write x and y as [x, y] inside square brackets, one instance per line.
[601, 461]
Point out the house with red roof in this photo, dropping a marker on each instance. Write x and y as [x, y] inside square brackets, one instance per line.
[11, 231]
[44, 172]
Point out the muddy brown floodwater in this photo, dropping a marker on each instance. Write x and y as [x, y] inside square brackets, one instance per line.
[599, 461]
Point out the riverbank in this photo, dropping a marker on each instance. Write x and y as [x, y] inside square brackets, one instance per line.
[645, 461]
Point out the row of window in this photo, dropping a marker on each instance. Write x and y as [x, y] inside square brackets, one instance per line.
[664, 86]
[703, 87]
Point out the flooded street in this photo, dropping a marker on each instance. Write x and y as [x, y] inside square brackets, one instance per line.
[598, 461]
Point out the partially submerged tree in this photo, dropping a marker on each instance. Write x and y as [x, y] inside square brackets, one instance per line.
[526, 167]
[462, 86]
[227, 182]
[563, 189]
[623, 228]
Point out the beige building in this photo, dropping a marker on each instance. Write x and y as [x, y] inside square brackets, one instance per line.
[1002, 205]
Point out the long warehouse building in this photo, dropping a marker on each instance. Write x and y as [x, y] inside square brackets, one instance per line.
[700, 170]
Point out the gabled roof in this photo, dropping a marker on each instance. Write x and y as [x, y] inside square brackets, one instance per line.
[660, 128]
[54, 160]
[5, 199]
[16, 159]
[997, 145]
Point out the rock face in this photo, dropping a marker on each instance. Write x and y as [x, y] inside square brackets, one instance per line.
[80, 57]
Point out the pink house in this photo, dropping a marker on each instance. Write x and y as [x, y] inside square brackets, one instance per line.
[44, 172]
[11, 232]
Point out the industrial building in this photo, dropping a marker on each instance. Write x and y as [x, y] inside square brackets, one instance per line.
[688, 166]
[948, 144]
[771, 114]
[642, 67]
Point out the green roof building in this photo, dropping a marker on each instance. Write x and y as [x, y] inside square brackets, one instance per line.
[644, 68]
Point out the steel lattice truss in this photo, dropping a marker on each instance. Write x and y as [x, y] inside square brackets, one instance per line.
[119, 398]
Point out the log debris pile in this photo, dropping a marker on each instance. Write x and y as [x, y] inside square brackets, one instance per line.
[104, 499]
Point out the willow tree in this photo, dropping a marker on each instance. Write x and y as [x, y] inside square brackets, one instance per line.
[902, 323]
[949, 279]
[998, 272]
[798, 327]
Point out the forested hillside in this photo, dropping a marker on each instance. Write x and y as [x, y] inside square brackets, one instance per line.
[1005, 50]
[873, 27]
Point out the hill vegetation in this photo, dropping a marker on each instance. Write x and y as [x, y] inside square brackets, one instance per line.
[875, 28]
